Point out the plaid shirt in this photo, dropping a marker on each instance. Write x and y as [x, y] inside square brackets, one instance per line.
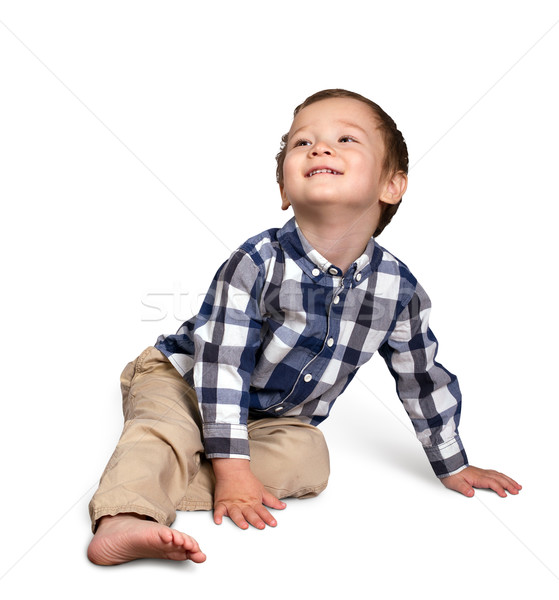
[282, 332]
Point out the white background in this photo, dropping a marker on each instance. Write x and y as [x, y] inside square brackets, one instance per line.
[137, 145]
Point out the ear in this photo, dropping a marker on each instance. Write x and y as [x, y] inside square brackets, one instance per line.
[394, 188]
[285, 204]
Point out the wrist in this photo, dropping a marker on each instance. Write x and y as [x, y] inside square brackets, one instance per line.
[226, 466]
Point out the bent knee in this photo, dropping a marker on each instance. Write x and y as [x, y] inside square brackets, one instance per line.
[291, 459]
[311, 466]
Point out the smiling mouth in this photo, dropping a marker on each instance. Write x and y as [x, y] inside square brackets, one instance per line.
[319, 171]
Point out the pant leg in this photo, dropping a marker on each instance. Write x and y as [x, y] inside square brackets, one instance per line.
[159, 450]
[289, 457]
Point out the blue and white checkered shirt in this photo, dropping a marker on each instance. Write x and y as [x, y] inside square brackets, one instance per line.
[282, 332]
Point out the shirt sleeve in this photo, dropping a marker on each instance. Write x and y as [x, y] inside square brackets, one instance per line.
[226, 338]
[429, 393]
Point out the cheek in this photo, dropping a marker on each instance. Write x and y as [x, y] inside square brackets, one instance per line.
[367, 186]
[289, 170]
[371, 172]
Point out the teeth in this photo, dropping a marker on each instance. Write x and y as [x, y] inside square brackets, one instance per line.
[322, 171]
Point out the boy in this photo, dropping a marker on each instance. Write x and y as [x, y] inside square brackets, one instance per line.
[287, 322]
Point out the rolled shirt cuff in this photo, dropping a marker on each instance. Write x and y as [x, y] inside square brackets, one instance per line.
[223, 440]
[447, 458]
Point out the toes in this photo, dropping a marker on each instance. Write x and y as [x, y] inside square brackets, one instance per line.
[187, 542]
[132, 540]
[191, 544]
[177, 537]
[197, 557]
[166, 535]
[177, 555]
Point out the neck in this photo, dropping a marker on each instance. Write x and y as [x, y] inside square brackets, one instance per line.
[341, 241]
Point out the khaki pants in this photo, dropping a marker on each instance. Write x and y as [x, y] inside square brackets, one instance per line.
[159, 466]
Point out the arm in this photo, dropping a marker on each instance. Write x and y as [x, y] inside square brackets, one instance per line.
[432, 399]
[430, 394]
[227, 336]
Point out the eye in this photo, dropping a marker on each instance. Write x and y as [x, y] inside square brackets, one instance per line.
[301, 143]
[347, 138]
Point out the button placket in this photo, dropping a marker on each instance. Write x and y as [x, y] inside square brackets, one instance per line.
[329, 340]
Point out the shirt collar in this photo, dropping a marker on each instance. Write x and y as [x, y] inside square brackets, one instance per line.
[300, 250]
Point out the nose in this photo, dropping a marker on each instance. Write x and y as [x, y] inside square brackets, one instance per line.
[321, 148]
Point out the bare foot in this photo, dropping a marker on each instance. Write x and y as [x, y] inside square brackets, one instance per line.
[126, 537]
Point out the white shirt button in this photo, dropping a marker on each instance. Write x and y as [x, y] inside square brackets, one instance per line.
[358, 277]
[333, 271]
[278, 408]
[330, 342]
[336, 299]
[316, 272]
[307, 377]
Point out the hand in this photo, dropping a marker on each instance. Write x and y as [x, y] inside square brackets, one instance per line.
[470, 477]
[240, 496]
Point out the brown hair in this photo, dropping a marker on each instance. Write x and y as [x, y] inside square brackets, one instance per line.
[396, 151]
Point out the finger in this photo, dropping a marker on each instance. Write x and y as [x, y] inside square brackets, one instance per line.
[237, 516]
[459, 485]
[509, 484]
[265, 516]
[220, 510]
[491, 483]
[499, 482]
[513, 483]
[497, 487]
[270, 500]
[514, 488]
[253, 517]
[465, 488]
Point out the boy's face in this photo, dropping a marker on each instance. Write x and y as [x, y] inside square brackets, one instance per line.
[335, 155]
